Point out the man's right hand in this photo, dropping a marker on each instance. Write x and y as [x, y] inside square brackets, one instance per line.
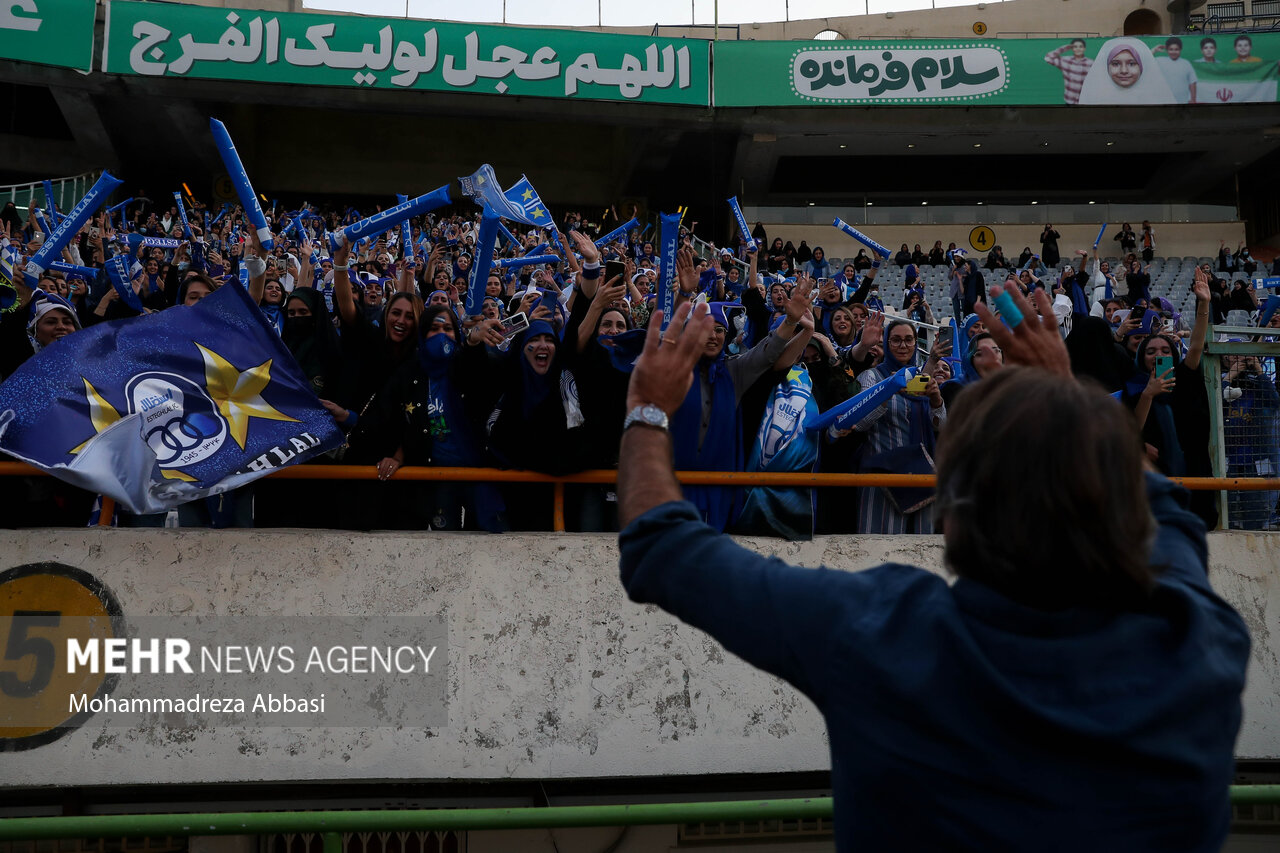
[1034, 342]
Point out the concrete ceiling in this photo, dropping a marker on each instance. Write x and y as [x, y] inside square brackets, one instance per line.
[597, 153]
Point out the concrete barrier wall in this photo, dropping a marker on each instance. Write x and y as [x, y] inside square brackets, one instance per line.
[552, 673]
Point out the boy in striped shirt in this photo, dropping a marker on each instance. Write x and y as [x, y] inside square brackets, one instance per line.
[1073, 68]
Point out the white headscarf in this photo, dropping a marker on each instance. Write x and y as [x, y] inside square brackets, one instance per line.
[42, 303]
[1150, 88]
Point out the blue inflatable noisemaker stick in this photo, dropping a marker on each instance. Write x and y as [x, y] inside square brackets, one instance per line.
[240, 178]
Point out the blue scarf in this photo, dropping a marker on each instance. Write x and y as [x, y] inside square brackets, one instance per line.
[722, 448]
[274, 316]
[448, 441]
[451, 444]
[961, 363]
[1079, 300]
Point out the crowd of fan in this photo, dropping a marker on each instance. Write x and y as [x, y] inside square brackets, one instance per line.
[381, 332]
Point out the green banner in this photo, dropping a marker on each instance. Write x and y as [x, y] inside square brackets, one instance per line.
[49, 32]
[167, 40]
[1226, 68]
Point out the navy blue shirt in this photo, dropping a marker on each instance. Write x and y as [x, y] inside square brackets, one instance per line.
[962, 720]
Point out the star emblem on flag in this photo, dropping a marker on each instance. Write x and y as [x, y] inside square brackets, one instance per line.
[238, 394]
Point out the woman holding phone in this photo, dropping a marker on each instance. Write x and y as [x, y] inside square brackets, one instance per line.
[1172, 409]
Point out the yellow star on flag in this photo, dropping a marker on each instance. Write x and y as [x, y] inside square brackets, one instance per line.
[238, 394]
[538, 213]
[528, 194]
[101, 413]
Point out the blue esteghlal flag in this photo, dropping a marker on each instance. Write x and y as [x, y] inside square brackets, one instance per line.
[158, 410]
[783, 444]
[519, 203]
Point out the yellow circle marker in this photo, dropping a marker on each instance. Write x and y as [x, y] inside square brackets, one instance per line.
[223, 189]
[42, 605]
[979, 28]
[982, 238]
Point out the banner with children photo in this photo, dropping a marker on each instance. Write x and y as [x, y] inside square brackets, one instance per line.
[1226, 68]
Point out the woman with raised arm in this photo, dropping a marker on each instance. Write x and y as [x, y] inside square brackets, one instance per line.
[1172, 407]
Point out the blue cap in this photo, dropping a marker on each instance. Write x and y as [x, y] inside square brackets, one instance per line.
[540, 327]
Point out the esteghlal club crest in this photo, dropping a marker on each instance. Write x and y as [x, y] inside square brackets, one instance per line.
[180, 422]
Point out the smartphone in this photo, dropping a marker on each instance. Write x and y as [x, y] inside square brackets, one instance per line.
[1164, 363]
[614, 269]
[514, 324]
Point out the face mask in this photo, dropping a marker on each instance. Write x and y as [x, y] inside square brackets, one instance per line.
[183, 266]
[296, 327]
[437, 348]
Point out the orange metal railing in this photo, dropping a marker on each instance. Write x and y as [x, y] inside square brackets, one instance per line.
[604, 477]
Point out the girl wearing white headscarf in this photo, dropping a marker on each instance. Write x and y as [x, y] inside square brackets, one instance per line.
[1125, 72]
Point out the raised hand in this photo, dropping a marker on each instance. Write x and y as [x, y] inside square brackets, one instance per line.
[941, 347]
[686, 270]
[586, 248]
[1034, 341]
[873, 328]
[612, 291]
[1201, 287]
[664, 372]
[798, 303]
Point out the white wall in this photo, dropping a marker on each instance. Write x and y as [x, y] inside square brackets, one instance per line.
[1199, 239]
[553, 673]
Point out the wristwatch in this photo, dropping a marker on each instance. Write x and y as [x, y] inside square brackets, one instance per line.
[646, 415]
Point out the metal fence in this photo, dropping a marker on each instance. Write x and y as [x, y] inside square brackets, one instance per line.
[1245, 421]
[337, 828]
[66, 192]
[400, 841]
